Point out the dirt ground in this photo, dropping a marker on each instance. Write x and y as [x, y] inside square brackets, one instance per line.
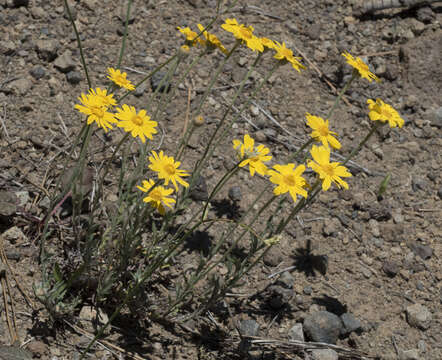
[383, 255]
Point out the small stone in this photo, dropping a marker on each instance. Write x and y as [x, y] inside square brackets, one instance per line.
[38, 72]
[351, 324]
[417, 27]
[8, 205]
[419, 316]
[89, 314]
[366, 260]
[397, 215]
[286, 280]
[269, 133]
[73, 77]
[248, 327]
[366, 272]
[314, 31]
[374, 227]
[198, 191]
[14, 353]
[423, 251]
[296, 332]
[425, 14]
[7, 47]
[436, 118]
[323, 326]
[390, 268]
[307, 290]
[14, 235]
[254, 110]
[273, 257]
[139, 90]
[331, 227]
[260, 136]
[242, 61]
[156, 80]
[324, 354]
[64, 62]
[47, 49]
[412, 354]
[279, 296]
[20, 86]
[22, 197]
[235, 193]
[72, 10]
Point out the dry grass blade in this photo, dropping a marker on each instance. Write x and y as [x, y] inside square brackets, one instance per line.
[293, 345]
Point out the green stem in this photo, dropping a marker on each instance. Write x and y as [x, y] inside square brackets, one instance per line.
[123, 42]
[361, 144]
[340, 95]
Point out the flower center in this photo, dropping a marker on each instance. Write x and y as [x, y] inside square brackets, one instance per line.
[98, 112]
[323, 130]
[290, 180]
[156, 194]
[362, 65]
[328, 169]
[386, 112]
[285, 52]
[137, 120]
[245, 33]
[170, 169]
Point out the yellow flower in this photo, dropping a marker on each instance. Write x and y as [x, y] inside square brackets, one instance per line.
[137, 124]
[254, 156]
[119, 78]
[107, 100]
[268, 43]
[289, 180]
[167, 169]
[380, 111]
[360, 66]
[321, 132]
[273, 240]
[95, 110]
[328, 172]
[158, 197]
[191, 36]
[212, 40]
[284, 54]
[244, 33]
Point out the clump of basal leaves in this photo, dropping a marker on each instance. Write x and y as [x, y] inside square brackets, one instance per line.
[123, 250]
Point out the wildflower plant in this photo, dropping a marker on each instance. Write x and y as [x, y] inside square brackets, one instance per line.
[127, 244]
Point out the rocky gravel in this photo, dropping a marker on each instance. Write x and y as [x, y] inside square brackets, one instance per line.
[364, 271]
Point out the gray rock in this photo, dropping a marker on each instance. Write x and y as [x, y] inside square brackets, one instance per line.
[8, 205]
[198, 190]
[64, 62]
[22, 197]
[425, 14]
[314, 31]
[156, 80]
[273, 257]
[436, 117]
[412, 354]
[390, 268]
[323, 326]
[307, 290]
[47, 49]
[74, 77]
[20, 86]
[14, 353]
[286, 280]
[38, 72]
[279, 296]
[296, 332]
[248, 327]
[14, 235]
[260, 136]
[37, 12]
[235, 193]
[139, 90]
[324, 354]
[269, 133]
[418, 316]
[423, 251]
[351, 324]
[89, 316]
[7, 47]
[417, 27]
